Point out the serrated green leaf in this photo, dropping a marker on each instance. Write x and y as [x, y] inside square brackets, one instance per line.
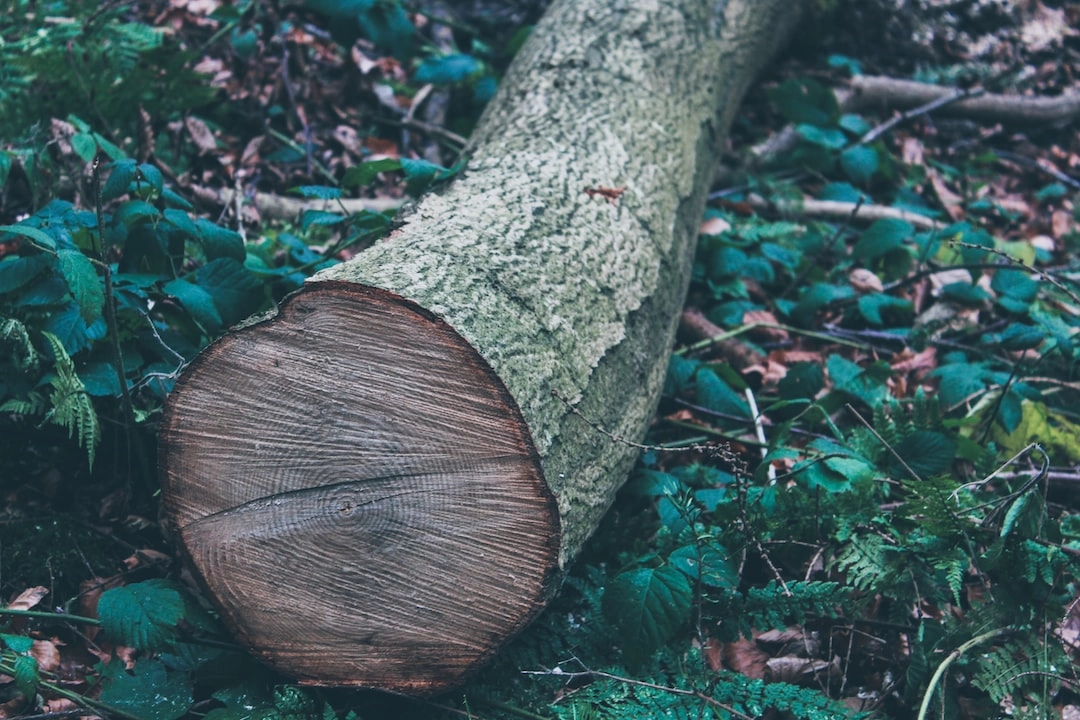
[842, 192]
[926, 452]
[706, 562]
[881, 237]
[151, 692]
[83, 281]
[143, 615]
[679, 374]
[120, 177]
[816, 474]
[648, 606]
[219, 242]
[365, 173]
[966, 293]
[84, 146]
[1023, 515]
[133, 212]
[33, 234]
[860, 163]
[27, 675]
[196, 301]
[16, 271]
[319, 217]
[854, 124]
[149, 174]
[236, 291]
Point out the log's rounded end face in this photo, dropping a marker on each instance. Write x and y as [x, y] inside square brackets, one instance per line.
[358, 493]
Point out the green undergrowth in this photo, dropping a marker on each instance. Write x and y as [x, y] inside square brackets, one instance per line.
[867, 519]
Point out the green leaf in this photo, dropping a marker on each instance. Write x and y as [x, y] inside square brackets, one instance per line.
[143, 615]
[680, 372]
[16, 271]
[648, 606]
[881, 237]
[150, 693]
[319, 217]
[860, 163]
[716, 395]
[447, 70]
[365, 173]
[219, 242]
[817, 474]
[708, 563]
[854, 124]
[236, 291]
[5, 167]
[965, 293]
[120, 178]
[842, 192]
[196, 301]
[82, 279]
[806, 101]
[803, 380]
[420, 174]
[27, 676]
[857, 381]
[927, 452]
[17, 643]
[318, 192]
[828, 138]
[33, 234]
[878, 308]
[1023, 515]
[84, 146]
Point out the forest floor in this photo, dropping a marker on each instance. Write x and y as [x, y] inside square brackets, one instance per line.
[882, 335]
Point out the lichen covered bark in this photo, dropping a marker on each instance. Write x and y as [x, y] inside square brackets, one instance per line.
[565, 291]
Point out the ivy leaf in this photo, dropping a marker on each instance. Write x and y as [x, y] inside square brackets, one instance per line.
[151, 692]
[648, 606]
[83, 281]
[143, 615]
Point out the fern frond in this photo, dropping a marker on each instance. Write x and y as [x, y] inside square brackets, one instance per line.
[72, 408]
[34, 405]
[864, 562]
[1025, 668]
[15, 344]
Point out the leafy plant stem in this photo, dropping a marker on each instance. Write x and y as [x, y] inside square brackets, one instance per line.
[44, 615]
[127, 407]
[955, 655]
[75, 697]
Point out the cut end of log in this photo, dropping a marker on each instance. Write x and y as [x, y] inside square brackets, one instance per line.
[398, 535]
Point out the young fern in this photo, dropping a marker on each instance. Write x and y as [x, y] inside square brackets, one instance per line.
[1025, 666]
[71, 406]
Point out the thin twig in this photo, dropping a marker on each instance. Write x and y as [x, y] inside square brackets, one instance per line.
[883, 442]
[906, 115]
[1017, 261]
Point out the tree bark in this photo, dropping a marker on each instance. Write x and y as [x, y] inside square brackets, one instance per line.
[376, 486]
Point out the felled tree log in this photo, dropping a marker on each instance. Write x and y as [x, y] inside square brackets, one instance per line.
[376, 486]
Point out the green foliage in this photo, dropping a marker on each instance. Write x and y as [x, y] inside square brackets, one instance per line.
[88, 58]
[144, 615]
